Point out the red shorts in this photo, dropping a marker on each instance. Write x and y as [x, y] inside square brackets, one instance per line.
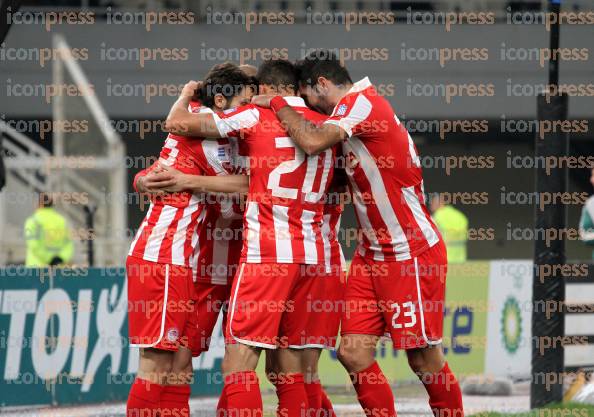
[318, 303]
[211, 300]
[161, 304]
[405, 299]
[272, 305]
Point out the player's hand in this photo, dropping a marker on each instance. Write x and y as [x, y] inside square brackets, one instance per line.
[140, 185]
[168, 180]
[144, 188]
[190, 88]
[262, 100]
[158, 180]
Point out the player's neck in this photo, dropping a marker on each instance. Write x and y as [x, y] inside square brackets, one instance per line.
[339, 92]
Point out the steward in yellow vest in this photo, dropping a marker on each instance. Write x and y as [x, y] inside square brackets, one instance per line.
[48, 236]
[453, 226]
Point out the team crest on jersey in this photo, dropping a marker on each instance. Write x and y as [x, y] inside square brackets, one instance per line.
[172, 334]
[341, 110]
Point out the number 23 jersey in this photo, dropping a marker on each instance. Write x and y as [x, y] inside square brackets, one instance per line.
[285, 203]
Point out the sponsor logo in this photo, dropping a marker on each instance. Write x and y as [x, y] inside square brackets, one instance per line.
[511, 325]
[223, 153]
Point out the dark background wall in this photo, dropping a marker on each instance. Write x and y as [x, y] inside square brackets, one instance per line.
[392, 71]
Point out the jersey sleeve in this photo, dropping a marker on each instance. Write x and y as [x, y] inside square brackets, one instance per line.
[231, 122]
[176, 154]
[351, 114]
[173, 154]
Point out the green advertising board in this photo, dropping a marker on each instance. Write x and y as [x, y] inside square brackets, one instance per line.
[64, 336]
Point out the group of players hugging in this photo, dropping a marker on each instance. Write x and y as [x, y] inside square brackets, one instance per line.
[244, 220]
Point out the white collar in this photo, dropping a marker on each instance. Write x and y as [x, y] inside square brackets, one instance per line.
[295, 101]
[357, 87]
[360, 85]
[199, 109]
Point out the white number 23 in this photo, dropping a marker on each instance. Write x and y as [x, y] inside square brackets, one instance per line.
[408, 310]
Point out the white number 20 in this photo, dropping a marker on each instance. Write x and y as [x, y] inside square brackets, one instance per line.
[409, 311]
[287, 167]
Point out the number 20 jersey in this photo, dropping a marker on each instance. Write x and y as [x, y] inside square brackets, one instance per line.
[285, 204]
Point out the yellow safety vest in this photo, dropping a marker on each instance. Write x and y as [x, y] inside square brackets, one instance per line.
[453, 225]
[47, 236]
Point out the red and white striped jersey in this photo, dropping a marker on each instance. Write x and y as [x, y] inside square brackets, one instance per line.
[220, 233]
[284, 210]
[187, 229]
[385, 177]
[218, 248]
[333, 256]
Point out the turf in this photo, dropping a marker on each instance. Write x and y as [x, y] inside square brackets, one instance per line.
[557, 410]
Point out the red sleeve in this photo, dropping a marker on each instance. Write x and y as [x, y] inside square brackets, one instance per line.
[175, 153]
[180, 153]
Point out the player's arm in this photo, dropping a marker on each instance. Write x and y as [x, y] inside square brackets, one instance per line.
[139, 179]
[225, 184]
[137, 184]
[142, 180]
[180, 121]
[171, 180]
[311, 138]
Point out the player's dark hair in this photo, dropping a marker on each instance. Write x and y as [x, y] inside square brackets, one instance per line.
[322, 63]
[225, 79]
[279, 73]
[253, 83]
